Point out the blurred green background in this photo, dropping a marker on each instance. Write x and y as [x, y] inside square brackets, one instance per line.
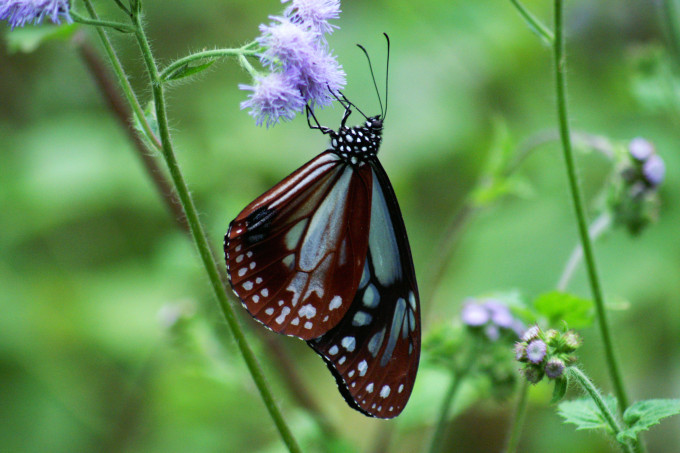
[93, 269]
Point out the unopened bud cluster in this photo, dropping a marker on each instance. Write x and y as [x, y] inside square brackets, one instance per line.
[546, 353]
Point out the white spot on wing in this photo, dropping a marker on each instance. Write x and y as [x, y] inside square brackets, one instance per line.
[369, 388]
[296, 285]
[335, 303]
[385, 391]
[401, 387]
[308, 325]
[362, 367]
[242, 272]
[307, 311]
[248, 285]
[398, 318]
[295, 321]
[282, 316]
[349, 343]
[333, 350]
[342, 360]
[371, 298]
[239, 258]
[375, 342]
[361, 318]
[269, 311]
[293, 236]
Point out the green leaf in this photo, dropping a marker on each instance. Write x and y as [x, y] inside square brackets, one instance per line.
[27, 39]
[558, 307]
[584, 413]
[187, 70]
[560, 389]
[643, 414]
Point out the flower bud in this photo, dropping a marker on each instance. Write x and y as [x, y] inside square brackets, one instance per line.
[536, 351]
[554, 368]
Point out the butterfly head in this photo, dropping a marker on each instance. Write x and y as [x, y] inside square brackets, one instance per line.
[359, 142]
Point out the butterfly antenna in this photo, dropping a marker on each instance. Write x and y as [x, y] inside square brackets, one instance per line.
[387, 74]
[370, 66]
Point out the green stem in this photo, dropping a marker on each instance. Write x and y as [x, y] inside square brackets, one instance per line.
[534, 24]
[123, 79]
[205, 55]
[120, 26]
[201, 241]
[561, 87]
[518, 420]
[586, 384]
[457, 376]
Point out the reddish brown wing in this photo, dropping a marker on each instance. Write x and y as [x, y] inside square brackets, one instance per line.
[295, 255]
[374, 351]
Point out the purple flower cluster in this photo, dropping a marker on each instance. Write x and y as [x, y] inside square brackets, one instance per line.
[651, 166]
[546, 353]
[492, 315]
[301, 68]
[20, 12]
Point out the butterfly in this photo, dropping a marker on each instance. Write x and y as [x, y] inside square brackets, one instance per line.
[324, 256]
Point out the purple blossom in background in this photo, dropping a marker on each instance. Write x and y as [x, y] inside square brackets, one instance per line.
[273, 98]
[314, 14]
[536, 351]
[640, 148]
[293, 47]
[474, 315]
[500, 314]
[654, 170]
[20, 12]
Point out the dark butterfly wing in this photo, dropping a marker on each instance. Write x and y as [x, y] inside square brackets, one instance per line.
[374, 351]
[295, 255]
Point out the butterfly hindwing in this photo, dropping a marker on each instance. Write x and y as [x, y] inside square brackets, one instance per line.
[295, 255]
[374, 351]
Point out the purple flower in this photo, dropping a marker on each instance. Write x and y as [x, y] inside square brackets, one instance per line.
[319, 77]
[640, 149]
[520, 351]
[554, 368]
[20, 12]
[531, 333]
[286, 45]
[273, 98]
[474, 315]
[314, 14]
[500, 314]
[536, 351]
[654, 170]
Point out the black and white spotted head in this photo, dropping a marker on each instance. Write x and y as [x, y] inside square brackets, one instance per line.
[359, 142]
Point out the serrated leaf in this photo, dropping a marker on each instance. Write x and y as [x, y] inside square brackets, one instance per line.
[585, 414]
[187, 70]
[560, 389]
[27, 39]
[558, 307]
[641, 415]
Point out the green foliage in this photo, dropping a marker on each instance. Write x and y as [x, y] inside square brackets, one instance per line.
[560, 307]
[642, 415]
[187, 70]
[28, 39]
[560, 389]
[584, 413]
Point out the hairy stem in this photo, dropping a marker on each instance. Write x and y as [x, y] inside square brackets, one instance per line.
[518, 419]
[586, 384]
[206, 55]
[560, 63]
[534, 24]
[201, 241]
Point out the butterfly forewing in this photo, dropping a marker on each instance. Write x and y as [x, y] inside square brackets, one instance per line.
[374, 351]
[295, 255]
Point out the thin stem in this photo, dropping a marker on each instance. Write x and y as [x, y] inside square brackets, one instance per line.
[201, 241]
[445, 409]
[205, 55]
[561, 87]
[534, 24]
[120, 26]
[518, 419]
[587, 385]
[123, 7]
[458, 374]
[671, 17]
[599, 226]
[122, 79]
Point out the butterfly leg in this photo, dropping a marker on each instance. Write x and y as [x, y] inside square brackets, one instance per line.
[323, 129]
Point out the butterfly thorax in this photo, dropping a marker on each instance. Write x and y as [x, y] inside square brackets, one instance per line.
[357, 143]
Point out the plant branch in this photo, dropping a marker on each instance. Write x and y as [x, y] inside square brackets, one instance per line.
[120, 26]
[586, 384]
[201, 240]
[534, 24]
[563, 118]
[518, 420]
[205, 55]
